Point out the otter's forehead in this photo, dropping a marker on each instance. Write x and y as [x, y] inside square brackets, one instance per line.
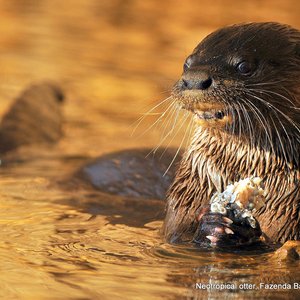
[259, 40]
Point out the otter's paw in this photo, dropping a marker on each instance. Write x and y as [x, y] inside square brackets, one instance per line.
[219, 231]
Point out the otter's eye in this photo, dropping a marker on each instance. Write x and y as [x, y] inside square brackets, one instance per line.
[244, 68]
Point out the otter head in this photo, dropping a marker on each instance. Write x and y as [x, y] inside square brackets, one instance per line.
[245, 79]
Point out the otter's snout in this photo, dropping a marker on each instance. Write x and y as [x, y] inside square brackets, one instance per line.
[199, 82]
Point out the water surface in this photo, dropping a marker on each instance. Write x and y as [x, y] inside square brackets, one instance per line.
[114, 59]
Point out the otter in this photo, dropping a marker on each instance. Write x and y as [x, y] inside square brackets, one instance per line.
[242, 86]
[34, 118]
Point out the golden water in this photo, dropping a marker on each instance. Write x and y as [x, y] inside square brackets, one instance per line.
[114, 58]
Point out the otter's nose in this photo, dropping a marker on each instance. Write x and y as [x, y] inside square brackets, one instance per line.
[196, 84]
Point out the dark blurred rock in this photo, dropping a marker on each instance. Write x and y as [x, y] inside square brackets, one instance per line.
[132, 173]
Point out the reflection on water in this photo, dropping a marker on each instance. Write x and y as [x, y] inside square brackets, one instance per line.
[114, 59]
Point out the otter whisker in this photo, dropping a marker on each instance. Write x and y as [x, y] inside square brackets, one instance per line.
[274, 108]
[235, 120]
[286, 133]
[168, 120]
[240, 123]
[153, 108]
[262, 120]
[173, 103]
[268, 83]
[284, 129]
[140, 120]
[248, 122]
[269, 92]
[176, 154]
[231, 112]
[175, 115]
[282, 144]
[280, 140]
[189, 129]
[168, 134]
